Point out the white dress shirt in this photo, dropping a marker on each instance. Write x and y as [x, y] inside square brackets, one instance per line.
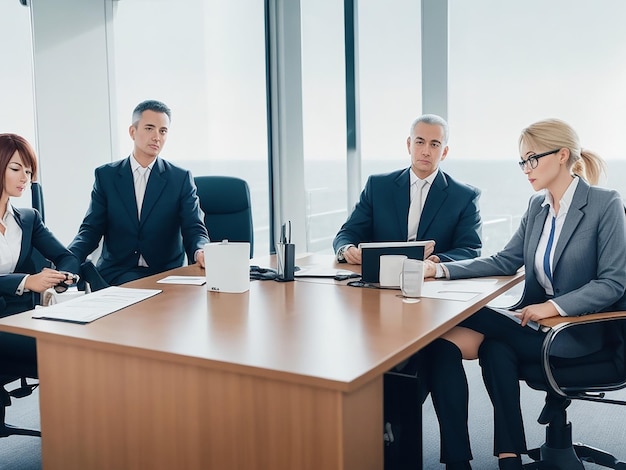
[564, 205]
[137, 173]
[415, 183]
[11, 246]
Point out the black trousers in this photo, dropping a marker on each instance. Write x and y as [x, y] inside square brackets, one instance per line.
[506, 348]
[18, 355]
[137, 272]
[443, 373]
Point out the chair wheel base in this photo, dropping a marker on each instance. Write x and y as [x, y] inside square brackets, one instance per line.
[8, 430]
[561, 458]
[598, 456]
[547, 458]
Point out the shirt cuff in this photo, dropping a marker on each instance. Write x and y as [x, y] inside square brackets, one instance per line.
[558, 309]
[441, 271]
[21, 288]
[339, 256]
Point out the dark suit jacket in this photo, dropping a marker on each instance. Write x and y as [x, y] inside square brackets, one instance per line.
[170, 219]
[588, 266]
[34, 235]
[450, 215]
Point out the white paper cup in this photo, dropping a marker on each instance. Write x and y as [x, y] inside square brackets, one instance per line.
[412, 278]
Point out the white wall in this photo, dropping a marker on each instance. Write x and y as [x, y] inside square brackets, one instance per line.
[72, 102]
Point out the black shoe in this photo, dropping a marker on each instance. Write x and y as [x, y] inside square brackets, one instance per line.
[510, 463]
[458, 466]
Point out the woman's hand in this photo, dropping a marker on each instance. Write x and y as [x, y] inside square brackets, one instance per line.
[537, 312]
[46, 279]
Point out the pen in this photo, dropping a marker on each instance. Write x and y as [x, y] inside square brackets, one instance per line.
[283, 238]
[289, 232]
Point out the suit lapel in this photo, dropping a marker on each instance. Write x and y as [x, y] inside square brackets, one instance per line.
[437, 195]
[26, 221]
[533, 292]
[156, 184]
[572, 219]
[539, 220]
[402, 197]
[126, 189]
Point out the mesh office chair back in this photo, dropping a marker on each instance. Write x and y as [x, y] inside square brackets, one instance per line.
[225, 201]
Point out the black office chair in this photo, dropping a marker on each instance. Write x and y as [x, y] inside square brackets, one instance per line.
[37, 259]
[23, 390]
[225, 201]
[7, 377]
[587, 378]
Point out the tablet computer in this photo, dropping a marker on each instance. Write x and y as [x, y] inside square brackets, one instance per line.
[371, 253]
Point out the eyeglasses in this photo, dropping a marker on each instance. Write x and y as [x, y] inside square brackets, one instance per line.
[62, 286]
[534, 160]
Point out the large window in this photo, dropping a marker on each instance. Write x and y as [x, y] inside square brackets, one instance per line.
[324, 120]
[206, 60]
[513, 63]
[390, 81]
[388, 58]
[16, 79]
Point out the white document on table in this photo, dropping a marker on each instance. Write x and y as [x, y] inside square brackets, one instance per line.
[90, 307]
[458, 289]
[191, 280]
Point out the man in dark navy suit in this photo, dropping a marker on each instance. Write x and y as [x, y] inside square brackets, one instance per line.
[146, 208]
[417, 203]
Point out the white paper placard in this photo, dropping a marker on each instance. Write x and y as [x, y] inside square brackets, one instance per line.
[227, 266]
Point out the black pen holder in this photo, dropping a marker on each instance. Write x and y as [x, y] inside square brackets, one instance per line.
[285, 261]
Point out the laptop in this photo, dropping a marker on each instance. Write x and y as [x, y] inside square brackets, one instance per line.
[371, 252]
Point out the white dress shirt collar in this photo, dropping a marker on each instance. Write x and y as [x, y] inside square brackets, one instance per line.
[566, 199]
[430, 178]
[134, 164]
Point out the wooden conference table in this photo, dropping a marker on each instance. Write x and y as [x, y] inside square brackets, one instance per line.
[285, 376]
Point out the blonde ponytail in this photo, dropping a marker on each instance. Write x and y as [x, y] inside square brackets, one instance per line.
[591, 166]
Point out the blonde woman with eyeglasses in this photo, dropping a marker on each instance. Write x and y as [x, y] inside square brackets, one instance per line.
[572, 243]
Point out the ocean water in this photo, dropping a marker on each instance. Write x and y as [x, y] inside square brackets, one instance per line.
[504, 194]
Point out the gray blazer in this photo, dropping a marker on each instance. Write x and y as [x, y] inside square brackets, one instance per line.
[589, 266]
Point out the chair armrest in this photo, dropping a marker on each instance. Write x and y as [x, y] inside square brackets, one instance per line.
[590, 317]
[553, 326]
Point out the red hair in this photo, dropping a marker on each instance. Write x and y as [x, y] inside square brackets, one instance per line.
[11, 143]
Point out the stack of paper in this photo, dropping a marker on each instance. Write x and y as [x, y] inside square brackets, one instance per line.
[90, 307]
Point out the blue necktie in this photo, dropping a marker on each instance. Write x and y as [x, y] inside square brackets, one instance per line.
[546, 256]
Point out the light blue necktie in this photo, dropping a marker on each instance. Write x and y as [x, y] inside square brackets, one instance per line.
[546, 256]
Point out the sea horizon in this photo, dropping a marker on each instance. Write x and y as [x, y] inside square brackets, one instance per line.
[505, 192]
